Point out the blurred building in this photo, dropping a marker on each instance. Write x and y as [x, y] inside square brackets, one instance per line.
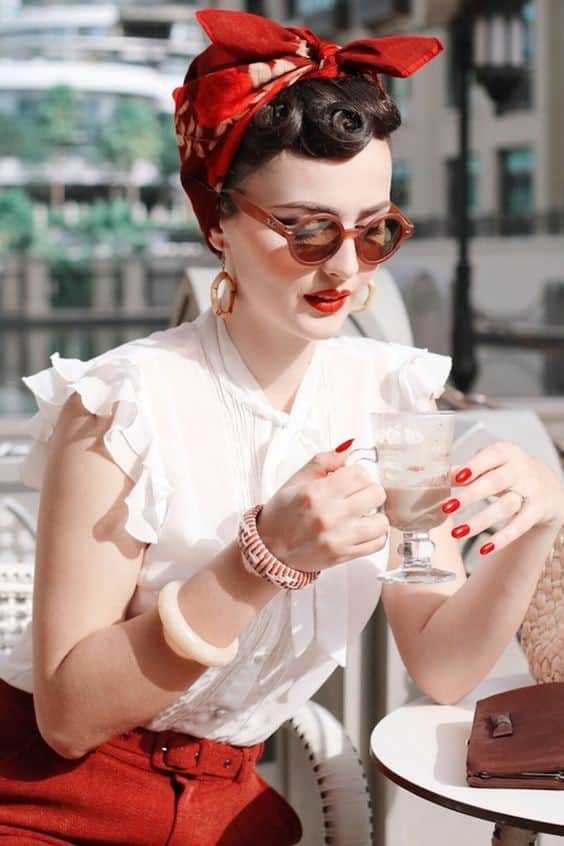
[105, 52]
[106, 266]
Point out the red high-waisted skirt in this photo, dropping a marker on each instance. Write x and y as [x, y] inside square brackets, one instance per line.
[143, 788]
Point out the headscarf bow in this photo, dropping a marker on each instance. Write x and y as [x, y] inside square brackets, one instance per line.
[250, 60]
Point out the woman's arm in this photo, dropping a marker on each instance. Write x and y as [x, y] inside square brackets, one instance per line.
[97, 674]
[451, 635]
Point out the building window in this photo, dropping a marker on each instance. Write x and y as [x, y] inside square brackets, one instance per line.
[291, 9]
[383, 11]
[452, 186]
[400, 90]
[522, 96]
[528, 14]
[516, 191]
[313, 7]
[319, 15]
[400, 185]
[256, 7]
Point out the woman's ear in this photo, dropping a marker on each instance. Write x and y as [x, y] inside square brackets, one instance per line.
[216, 238]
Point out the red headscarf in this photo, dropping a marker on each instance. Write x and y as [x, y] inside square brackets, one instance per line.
[250, 60]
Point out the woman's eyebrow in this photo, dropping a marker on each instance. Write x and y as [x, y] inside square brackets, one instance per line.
[316, 208]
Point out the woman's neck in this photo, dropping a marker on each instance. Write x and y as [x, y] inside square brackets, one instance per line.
[278, 362]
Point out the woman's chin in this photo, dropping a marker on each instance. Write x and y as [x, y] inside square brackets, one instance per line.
[317, 327]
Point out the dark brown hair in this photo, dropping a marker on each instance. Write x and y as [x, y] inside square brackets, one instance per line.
[322, 118]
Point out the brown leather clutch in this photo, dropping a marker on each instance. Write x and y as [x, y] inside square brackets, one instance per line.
[517, 739]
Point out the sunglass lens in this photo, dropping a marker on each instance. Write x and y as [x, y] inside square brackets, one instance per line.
[316, 239]
[380, 240]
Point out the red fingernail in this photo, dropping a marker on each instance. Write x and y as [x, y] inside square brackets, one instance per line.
[460, 531]
[463, 475]
[345, 445]
[486, 548]
[450, 506]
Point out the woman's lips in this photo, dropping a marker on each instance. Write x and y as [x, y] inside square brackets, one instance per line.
[331, 293]
[331, 301]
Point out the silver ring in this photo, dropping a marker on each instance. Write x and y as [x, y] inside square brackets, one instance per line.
[524, 499]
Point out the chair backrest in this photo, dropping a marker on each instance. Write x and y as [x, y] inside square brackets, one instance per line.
[475, 429]
[17, 555]
[386, 319]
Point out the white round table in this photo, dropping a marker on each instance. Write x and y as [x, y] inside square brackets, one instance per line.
[422, 748]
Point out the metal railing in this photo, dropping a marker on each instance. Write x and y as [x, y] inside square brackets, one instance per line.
[512, 333]
[493, 225]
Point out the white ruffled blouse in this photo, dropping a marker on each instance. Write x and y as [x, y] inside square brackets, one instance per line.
[195, 432]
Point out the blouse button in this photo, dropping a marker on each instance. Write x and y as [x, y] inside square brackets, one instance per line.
[220, 712]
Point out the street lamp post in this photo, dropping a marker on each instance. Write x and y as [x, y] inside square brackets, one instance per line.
[465, 368]
[495, 28]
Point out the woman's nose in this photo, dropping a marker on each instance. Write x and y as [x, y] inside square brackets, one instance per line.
[345, 261]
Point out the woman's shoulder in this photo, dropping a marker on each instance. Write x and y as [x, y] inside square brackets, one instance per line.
[406, 375]
[382, 353]
[118, 384]
[173, 340]
[119, 373]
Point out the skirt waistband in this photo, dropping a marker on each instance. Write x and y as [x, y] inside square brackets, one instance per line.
[172, 751]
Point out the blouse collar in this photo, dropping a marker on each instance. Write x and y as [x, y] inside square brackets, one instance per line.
[236, 377]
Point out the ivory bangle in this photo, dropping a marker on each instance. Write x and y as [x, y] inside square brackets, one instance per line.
[182, 639]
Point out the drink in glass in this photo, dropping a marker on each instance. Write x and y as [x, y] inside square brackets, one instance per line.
[413, 453]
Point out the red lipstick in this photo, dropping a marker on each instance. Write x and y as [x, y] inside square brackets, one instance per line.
[327, 301]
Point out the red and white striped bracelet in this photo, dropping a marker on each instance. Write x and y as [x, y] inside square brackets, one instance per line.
[259, 560]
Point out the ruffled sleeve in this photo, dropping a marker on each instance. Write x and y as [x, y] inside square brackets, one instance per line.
[104, 382]
[417, 377]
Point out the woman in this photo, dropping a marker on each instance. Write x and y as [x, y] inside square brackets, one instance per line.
[163, 653]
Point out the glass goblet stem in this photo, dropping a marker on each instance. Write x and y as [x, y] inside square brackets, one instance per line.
[416, 550]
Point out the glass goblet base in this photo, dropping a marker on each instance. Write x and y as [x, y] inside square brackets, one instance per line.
[416, 575]
[416, 550]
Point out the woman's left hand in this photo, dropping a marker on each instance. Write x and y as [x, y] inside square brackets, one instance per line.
[528, 493]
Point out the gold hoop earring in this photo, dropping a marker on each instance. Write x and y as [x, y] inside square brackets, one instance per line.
[222, 276]
[366, 304]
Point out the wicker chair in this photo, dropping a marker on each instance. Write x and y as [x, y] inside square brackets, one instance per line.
[17, 544]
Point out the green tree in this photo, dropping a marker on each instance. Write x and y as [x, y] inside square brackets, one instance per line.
[132, 133]
[169, 158]
[71, 281]
[169, 161]
[112, 224]
[16, 220]
[59, 129]
[17, 137]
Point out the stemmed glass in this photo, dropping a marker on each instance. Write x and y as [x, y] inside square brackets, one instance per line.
[412, 451]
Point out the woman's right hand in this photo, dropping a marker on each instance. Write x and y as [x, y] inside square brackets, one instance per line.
[317, 518]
